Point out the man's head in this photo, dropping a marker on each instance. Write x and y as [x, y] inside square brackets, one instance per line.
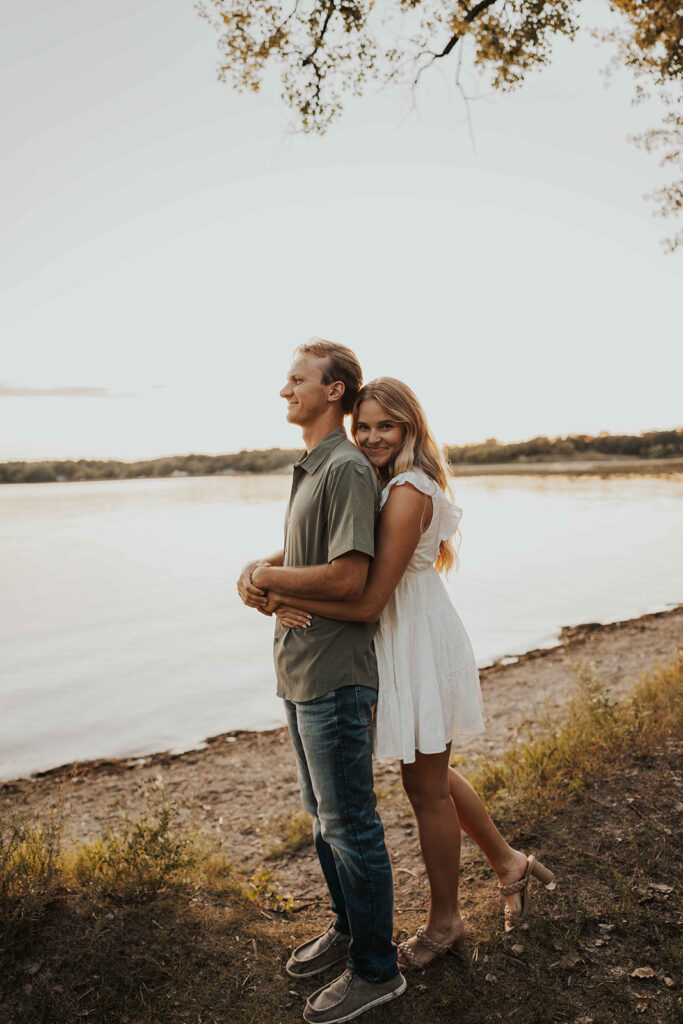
[324, 378]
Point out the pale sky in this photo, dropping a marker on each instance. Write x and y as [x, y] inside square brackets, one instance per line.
[165, 243]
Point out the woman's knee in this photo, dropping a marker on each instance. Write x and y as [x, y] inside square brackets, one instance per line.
[423, 794]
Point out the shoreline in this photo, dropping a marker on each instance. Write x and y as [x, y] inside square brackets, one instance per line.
[619, 466]
[571, 638]
[615, 466]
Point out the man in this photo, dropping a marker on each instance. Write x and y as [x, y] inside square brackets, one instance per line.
[327, 676]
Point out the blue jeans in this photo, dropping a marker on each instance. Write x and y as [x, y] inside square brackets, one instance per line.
[333, 746]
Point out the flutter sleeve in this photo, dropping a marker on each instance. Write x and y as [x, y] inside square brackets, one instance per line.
[448, 513]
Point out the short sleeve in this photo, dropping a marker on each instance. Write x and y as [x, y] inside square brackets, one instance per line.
[448, 514]
[416, 477]
[351, 510]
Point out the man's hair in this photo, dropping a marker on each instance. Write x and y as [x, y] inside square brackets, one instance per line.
[341, 364]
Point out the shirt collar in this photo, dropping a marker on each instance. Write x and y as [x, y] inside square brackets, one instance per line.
[313, 460]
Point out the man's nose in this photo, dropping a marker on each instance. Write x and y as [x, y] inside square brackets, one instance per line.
[285, 391]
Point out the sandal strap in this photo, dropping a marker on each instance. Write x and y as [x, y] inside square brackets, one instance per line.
[521, 883]
[508, 890]
[408, 956]
[431, 944]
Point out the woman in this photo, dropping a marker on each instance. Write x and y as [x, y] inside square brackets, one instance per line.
[428, 681]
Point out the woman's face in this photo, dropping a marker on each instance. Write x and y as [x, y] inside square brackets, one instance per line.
[377, 435]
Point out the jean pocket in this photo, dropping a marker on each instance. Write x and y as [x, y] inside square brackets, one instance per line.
[366, 700]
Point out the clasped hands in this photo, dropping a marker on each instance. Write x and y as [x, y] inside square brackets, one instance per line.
[268, 602]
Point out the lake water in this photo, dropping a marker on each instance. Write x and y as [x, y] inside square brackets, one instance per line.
[121, 632]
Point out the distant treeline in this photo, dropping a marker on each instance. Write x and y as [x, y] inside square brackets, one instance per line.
[270, 460]
[656, 444]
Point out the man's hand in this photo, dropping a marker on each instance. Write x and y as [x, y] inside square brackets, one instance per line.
[251, 595]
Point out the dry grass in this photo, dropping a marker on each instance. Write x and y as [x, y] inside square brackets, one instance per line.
[295, 833]
[595, 734]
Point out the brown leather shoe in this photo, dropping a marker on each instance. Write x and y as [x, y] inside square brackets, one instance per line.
[318, 954]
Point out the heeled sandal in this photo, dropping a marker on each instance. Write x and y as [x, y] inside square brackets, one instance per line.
[535, 868]
[407, 957]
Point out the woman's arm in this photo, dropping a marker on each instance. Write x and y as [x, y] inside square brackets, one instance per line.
[401, 524]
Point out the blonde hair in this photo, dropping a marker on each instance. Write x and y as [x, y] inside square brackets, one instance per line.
[341, 364]
[419, 449]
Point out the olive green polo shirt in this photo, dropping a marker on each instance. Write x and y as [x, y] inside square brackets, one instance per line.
[332, 510]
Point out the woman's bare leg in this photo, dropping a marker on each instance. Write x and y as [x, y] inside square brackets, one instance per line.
[474, 819]
[426, 783]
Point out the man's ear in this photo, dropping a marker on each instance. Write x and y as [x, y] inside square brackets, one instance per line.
[337, 389]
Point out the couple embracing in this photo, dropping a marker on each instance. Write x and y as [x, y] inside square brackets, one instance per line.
[372, 658]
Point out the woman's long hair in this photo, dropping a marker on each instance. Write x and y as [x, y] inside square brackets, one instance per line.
[419, 449]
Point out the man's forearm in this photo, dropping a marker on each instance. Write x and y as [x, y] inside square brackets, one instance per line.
[316, 581]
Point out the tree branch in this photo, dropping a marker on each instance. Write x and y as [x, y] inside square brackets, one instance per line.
[321, 35]
[471, 16]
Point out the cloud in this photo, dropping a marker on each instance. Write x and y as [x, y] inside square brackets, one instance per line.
[7, 391]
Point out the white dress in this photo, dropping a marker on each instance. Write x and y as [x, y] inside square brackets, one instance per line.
[428, 680]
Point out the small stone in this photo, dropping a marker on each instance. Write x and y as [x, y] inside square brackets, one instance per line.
[599, 942]
[491, 978]
[517, 948]
[669, 982]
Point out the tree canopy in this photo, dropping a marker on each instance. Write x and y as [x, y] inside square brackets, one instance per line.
[325, 50]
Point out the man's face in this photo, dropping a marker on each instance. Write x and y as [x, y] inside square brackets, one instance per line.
[305, 393]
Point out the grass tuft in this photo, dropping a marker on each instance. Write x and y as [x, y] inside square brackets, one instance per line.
[137, 859]
[596, 733]
[296, 834]
[265, 892]
[29, 872]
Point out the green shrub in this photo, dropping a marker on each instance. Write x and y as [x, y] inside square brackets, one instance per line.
[138, 858]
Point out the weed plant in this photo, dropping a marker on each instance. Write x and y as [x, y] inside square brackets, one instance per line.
[296, 833]
[595, 734]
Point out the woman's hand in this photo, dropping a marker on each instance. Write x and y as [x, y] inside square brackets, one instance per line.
[272, 602]
[293, 618]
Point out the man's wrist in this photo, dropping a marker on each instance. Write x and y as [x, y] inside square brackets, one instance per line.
[259, 565]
